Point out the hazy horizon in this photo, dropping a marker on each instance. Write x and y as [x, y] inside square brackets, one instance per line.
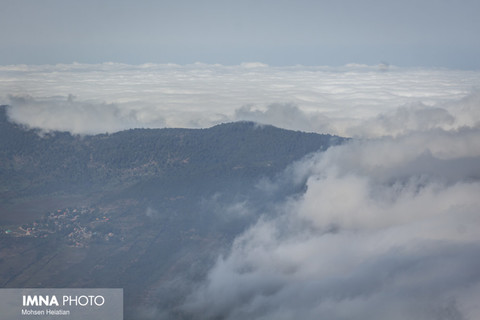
[428, 33]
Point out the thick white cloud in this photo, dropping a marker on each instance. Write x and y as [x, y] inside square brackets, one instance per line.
[78, 117]
[387, 229]
[355, 100]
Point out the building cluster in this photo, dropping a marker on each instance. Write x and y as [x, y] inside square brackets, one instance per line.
[78, 226]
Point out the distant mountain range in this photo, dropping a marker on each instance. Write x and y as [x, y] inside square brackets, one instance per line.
[147, 210]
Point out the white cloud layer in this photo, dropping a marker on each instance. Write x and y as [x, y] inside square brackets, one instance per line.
[387, 229]
[388, 225]
[355, 100]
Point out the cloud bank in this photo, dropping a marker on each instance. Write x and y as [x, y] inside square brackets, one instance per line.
[386, 229]
[77, 117]
[354, 100]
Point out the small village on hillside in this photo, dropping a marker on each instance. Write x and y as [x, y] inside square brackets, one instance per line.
[78, 226]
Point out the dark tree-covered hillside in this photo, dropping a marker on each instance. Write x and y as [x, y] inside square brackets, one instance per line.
[146, 210]
[36, 162]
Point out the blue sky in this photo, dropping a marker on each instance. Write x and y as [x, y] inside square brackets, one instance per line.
[426, 33]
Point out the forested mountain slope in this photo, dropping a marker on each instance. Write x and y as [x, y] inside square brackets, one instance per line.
[32, 161]
[146, 210]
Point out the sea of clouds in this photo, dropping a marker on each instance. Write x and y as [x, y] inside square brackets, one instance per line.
[354, 100]
[387, 227]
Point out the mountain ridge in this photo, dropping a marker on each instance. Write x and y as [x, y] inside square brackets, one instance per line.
[67, 161]
[147, 210]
